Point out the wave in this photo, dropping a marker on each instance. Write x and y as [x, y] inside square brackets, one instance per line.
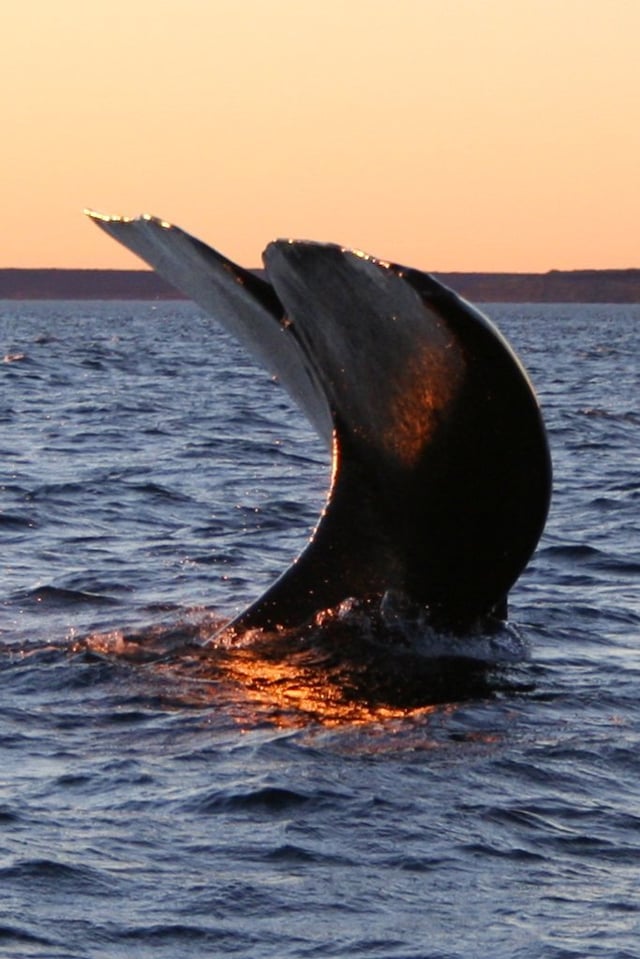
[16, 521]
[20, 934]
[43, 872]
[54, 597]
[585, 556]
[268, 799]
[618, 416]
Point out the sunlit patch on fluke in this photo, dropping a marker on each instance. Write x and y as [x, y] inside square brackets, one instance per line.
[441, 470]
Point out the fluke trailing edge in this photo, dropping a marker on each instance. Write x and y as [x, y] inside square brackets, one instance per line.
[441, 468]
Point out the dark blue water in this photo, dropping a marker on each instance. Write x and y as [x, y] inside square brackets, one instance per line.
[157, 804]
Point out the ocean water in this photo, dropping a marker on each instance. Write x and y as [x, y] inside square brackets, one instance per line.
[155, 802]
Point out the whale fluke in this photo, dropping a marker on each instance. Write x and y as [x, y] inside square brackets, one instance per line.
[441, 474]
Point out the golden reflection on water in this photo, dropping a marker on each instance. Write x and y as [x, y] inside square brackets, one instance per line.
[263, 681]
[253, 691]
[294, 694]
[283, 680]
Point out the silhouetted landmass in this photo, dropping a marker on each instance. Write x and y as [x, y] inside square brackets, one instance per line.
[48, 284]
[557, 286]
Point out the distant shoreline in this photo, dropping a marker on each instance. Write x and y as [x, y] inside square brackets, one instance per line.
[556, 286]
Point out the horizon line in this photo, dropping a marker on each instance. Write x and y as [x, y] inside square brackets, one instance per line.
[502, 272]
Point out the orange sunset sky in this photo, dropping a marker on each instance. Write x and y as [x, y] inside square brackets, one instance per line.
[446, 134]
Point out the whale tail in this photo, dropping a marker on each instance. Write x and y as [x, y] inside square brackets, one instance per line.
[441, 474]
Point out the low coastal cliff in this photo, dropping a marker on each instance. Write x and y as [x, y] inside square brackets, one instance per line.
[557, 286]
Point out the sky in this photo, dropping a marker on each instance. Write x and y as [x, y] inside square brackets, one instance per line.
[464, 135]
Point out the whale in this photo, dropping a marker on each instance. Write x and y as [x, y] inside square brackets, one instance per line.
[441, 471]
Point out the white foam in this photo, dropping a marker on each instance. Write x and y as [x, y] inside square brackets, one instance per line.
[405, 627]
